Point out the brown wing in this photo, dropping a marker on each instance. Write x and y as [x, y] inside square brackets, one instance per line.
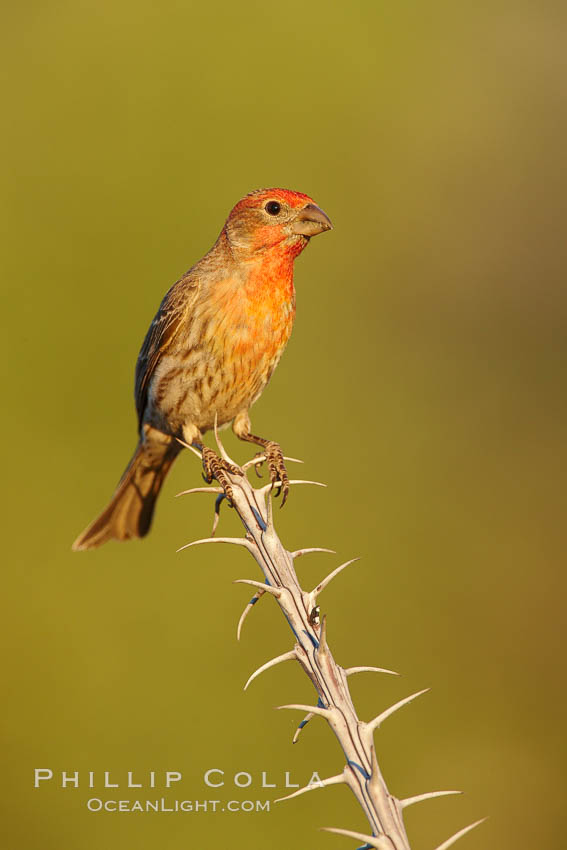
[172, 314]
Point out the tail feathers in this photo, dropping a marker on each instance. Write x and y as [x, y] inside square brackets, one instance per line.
[131, 509]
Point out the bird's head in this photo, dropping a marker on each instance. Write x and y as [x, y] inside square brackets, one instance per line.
[274, 219]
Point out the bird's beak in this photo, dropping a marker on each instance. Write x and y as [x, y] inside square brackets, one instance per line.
[310, 221]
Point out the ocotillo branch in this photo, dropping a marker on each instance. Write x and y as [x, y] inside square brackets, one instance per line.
[361, 772]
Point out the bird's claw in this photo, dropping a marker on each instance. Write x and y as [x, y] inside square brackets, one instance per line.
[214, 467]
[276, 466]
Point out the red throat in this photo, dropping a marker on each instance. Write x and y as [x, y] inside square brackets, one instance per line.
[271, 276]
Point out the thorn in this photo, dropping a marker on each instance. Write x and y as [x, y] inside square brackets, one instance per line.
[301, 726]
[376, 723]
[430, 795]
[255, 461]
[378, 841]
[450, 841]
[267, 588]
[375, 775]
[222, 451]
[287, 656]
[191, 448]
[350, 670]
[326, 581]
[323, 648]
[258, 459]
[238, 541]
[275, 484]
[261, 458]
[258, 595]
[323, 783]
[312, 709]
[216, 490]
[269, 510]
[299, 552]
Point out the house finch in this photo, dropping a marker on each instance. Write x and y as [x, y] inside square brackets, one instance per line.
[210, 351]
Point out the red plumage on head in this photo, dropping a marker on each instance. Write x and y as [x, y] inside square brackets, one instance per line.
[259, 197]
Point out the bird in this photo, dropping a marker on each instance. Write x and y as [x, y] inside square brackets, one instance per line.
[210, 351]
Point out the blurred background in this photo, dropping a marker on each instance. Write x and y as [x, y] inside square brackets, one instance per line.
[424, 383]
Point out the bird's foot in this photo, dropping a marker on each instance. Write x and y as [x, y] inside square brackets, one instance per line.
[215, 467]
[276, 466]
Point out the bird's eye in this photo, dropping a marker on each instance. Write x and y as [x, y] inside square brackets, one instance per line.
[272, 207]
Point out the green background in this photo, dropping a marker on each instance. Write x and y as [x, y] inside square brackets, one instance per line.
[424, 382]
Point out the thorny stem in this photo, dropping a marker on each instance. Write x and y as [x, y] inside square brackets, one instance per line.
[361, 772]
